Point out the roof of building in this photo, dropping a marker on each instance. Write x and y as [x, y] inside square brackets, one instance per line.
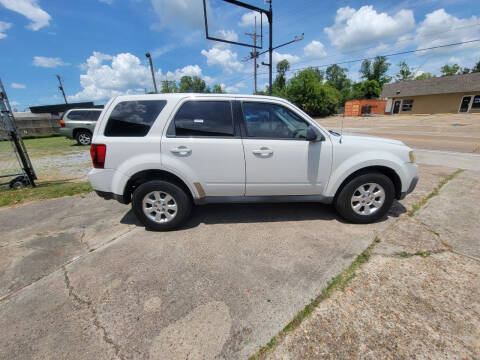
[55, 109]
[436, 85]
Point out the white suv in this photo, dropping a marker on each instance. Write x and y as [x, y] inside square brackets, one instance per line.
[166, 152]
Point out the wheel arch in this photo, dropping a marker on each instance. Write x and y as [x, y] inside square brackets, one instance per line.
[77, 130]
[153, 174]
[385, 170]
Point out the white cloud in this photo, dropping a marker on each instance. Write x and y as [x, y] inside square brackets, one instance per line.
[433, 32]
[248, 19]
[234, 88]
[48, 62]
[229, 35]
[226, 58]
[162, 50]
[377, 50]
[314, 50]
[277, 57]
[107, 76]
[17, 85]
[109, 2]
[189, 70]
[31, 10]
[357, 28]
[4, 26]
[175, 14]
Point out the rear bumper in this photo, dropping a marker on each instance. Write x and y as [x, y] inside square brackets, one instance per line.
[67, 132]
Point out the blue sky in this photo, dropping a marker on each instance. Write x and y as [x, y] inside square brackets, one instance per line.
[98, 46]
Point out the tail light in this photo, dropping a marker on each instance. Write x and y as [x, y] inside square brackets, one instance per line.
[62, 123]
[98, 153]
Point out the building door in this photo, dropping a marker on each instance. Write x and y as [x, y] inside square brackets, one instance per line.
[465, 103]
[396, 107]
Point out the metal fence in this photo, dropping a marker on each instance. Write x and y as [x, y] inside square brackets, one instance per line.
[15, 166]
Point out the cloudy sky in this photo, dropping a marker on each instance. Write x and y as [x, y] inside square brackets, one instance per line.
[98, 46]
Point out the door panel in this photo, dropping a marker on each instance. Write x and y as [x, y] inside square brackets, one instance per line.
[278, 159]
[286, 167]
[217, 164]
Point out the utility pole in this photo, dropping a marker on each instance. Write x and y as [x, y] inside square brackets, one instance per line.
[61, 88]
[153, 72]
[254, 55]
[270, 47]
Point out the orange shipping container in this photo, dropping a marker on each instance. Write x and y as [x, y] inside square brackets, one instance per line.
[364, 107]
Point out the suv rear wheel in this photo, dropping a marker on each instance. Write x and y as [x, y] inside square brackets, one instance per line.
[366, 198]
[84, 137]
[160, 205]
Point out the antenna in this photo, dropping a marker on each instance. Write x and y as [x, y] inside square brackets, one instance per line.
[341, 129]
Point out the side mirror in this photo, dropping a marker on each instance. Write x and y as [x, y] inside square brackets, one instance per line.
[313, 134]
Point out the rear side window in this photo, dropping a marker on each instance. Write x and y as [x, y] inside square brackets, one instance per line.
[93, 115]
[78, 115]
[133, 118]
[204, 118]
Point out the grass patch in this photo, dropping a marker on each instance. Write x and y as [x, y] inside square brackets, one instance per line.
[423, 254]
[46, 190]
[434, 192]
[45, 146]
[339, 282]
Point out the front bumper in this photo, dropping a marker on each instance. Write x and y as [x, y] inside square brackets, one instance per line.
[410, 189]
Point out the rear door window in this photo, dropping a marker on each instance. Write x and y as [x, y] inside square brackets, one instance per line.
[133, 118]
[203, 118]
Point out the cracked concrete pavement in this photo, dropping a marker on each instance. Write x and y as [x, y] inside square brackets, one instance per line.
[402, 305]
[99, 286]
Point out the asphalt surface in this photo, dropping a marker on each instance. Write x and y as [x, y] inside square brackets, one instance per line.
[81, 279]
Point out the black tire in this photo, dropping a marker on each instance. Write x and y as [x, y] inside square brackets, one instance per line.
[182, 200]
[83, 137]
[343, 202]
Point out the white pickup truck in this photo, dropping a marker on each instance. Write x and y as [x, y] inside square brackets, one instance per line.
[166, 152]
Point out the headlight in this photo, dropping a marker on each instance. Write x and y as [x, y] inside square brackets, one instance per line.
[412, 156]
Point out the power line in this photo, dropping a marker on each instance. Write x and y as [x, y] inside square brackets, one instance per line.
[398, 41]
[385, 55]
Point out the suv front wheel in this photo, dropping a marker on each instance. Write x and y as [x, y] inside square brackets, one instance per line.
[160, 205]
[366, 198]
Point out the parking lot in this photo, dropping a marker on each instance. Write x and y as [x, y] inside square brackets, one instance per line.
[80, 278]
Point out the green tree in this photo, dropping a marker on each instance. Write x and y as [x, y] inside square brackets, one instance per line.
[476, 68]
[336, 76]
[465, 70]
[169, 86]
[306, 90]
[217, 89]
[281, 79]
[193, 84]
[376, 70]
[404, 73]
[448, 70]
[424, 76]
[368, 89]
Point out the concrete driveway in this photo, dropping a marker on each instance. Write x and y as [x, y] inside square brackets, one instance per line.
[80, 279]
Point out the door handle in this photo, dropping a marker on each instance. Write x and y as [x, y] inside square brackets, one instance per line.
[181, 150]
[263, 151]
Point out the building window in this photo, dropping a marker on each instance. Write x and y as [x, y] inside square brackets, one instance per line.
[407, 105]
[476, 102]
